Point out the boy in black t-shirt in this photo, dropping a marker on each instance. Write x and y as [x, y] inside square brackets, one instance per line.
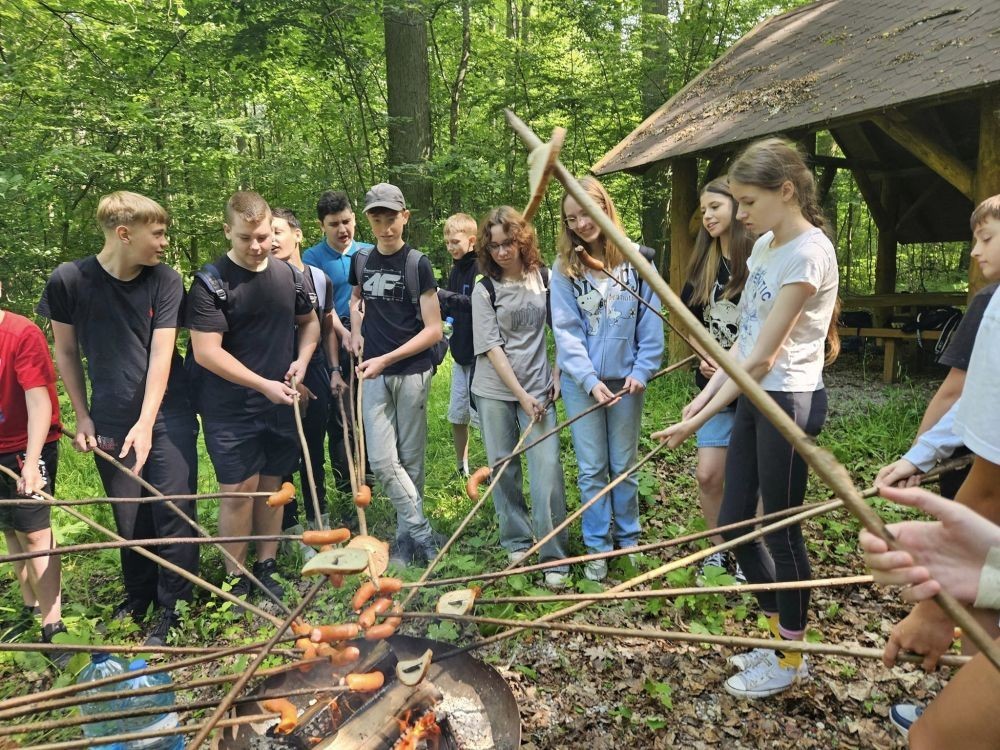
[122, 308]
[394, 334]
[244, 343]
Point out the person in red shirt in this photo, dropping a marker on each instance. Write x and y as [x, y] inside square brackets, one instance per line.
[29, 434]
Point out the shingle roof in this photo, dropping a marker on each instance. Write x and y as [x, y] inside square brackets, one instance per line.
[828, 62]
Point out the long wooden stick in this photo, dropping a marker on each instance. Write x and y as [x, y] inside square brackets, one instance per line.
[592, 408]
[123, 648]
[736, 588]
[248, 673]
[197, 580]
[75, 700]
[819, 459]
[306, 459]
[188, 520]
[132, 500]
[673, 635]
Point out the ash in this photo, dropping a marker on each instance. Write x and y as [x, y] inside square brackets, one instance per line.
[468, 722]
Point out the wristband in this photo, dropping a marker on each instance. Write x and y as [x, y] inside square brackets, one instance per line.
[988, 594]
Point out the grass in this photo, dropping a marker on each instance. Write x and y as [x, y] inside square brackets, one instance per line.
[868, 426]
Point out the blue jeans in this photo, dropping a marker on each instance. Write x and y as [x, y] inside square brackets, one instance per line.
[395, 417]
[606, 442]
[502, 424]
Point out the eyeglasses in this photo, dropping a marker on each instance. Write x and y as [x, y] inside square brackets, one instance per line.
[495, 247]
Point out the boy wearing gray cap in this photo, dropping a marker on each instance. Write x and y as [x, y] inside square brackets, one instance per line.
[395, 320]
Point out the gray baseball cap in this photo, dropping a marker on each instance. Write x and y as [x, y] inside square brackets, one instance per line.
[385, 195]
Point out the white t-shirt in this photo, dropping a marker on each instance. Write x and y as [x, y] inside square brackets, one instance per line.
[977, 421]
[809, 258]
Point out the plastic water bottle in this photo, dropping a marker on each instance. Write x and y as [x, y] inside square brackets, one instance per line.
[102, 665]
[448, 326]
[151, 722]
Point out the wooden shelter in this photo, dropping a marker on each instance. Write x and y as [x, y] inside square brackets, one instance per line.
[909, 90]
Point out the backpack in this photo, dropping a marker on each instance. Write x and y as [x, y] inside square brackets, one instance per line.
[943, 319]
[210, 276]
[491, 290]
[411, 280]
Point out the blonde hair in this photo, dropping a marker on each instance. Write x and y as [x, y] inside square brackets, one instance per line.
[568, 239]
[248, 205]
[124, 208]
[461, 224]
[988, 209]
[703, 268]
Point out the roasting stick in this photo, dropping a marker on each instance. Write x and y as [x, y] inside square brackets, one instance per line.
[820, 460]
[806, 647]
[134, 500]
[559, 427]
[185, 729]
[76, 700]
[197, 580]
[475, 508]
[736, 588]
[74, 721]
[297, 410]
[91, 648]
[157, 542]
[248, 673]
[75, 689]
[944, 468]
[186, 518]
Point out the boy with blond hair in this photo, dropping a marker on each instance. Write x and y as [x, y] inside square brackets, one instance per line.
[460, 232]
[121, 309]
[395, 321]
[242, 311]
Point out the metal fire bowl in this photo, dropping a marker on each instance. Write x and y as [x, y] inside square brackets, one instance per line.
[462, 675]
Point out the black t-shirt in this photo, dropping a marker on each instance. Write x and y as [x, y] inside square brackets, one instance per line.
[257, 323]
[390, 315]
[960, 347]
[323, 308]
[114, 322]
[720, 317]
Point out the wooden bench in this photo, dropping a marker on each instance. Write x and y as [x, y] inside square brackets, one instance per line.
[888, 338]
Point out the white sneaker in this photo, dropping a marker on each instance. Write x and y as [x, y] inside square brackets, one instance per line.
[556, 580]
[715, 560]
[517, 556]
[765, 678]
[751, 658]
[595, 570]
[902, 716]
[739, 575]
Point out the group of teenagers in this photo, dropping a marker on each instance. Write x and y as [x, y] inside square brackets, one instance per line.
[270, 324]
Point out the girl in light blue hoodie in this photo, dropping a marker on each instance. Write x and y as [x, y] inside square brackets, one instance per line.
[606, 341]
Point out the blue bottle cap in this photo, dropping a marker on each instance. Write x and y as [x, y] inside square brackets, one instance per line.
[136, 665]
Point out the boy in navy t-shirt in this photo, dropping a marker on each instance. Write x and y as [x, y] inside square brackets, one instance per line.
[394, 335]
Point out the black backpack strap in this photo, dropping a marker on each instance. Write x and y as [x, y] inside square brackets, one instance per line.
[210, 276]
[411, 277]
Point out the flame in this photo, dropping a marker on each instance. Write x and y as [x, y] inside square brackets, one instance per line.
[425, 728]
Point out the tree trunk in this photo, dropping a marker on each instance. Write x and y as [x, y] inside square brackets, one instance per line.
[456, 94]
[655, 64]
[408, 89]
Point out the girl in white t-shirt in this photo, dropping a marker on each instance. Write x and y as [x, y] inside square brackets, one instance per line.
[787, 317]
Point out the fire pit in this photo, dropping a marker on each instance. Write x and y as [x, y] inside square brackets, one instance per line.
[462, 704]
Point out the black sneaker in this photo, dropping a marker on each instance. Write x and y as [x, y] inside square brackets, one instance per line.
[131, 608]
[168, 620]
[429, 550]
[401, 552]
[264, 571]
[59, 658]
[239, 585]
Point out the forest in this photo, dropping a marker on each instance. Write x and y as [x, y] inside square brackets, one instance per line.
[189, 100]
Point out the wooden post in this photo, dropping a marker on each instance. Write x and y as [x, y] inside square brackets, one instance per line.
[683, 203]
[987, 178]
[885, 261]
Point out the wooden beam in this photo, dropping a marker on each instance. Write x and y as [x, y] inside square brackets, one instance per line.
[943, 162]
[825, 182]
[885, 260]
[683, 203]
[987, 180]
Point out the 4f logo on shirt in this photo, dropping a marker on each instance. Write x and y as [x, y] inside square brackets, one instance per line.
[385, 285]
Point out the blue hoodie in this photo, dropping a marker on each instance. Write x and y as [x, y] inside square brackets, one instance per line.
[609, 336]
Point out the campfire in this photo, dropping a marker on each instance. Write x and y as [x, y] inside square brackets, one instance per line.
[460, 704]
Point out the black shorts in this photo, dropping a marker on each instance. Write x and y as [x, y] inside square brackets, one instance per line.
[27, 517]
[263, 443]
